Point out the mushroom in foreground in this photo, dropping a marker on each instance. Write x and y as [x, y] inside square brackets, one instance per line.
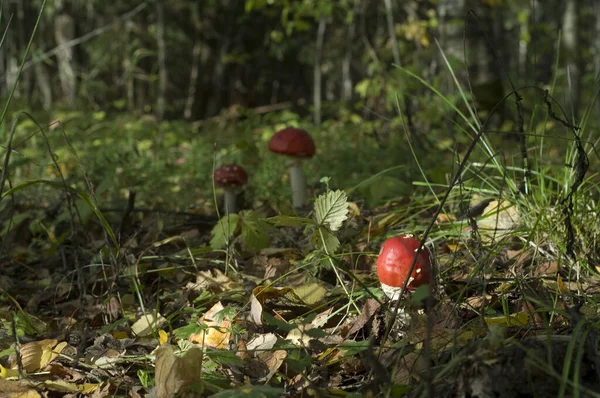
[394, 261]
[231, 178]
[298, 145]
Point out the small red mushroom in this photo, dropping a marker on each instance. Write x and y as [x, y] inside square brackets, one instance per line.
[394, 261]
[231, 178]
[298, 145]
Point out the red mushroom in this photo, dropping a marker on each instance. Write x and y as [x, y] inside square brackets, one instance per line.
[394, 261]
[298, 145]
[231, 178]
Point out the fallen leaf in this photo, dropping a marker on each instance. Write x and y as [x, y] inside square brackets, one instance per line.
[311, 293]
[148, 324]
[163, 337]
[516, 319]
[174, 373]
[17, 389]
[273, 361]
[498, 219]
[217, 333]
[262, 342]
[37, 354]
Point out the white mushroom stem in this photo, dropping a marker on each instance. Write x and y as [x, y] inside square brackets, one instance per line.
[298, 183]
[230, 199]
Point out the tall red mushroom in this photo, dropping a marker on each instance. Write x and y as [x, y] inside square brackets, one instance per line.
[394, 261]
[298, 145]
[231, 178]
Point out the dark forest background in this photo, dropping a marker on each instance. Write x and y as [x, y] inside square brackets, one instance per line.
[140, 87]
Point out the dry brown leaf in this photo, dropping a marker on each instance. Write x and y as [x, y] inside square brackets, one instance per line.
[353, 209]
[217, 333]
[174, 373]
[262, 342]
[299, 337]
[369, 309]
[17, 389]
[443, 218]
[498, 219]
[214, 281]
[256, 310]
[63, 372]
[108, 359]
[148, 324]
[273, 361]
[548, 268]
[37, 354]
[477, 302]
[242, 350]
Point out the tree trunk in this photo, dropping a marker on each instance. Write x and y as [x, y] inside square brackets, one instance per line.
[570, 42]
[162, 60]
[64, 30]
[317, 74]
[44, 85]
[389, 15]
[450, 28]
[218, 76]
[195, 66]
[347, 86]
[10, 50]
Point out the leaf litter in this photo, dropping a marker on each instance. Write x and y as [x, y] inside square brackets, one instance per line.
[244, 313]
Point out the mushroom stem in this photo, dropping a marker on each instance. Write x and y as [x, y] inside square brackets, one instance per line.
[298, 183]
[230, 199]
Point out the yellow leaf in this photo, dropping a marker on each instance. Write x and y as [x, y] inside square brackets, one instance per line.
[8, 373]
[562, 287]
[517, 319]
[217, 333]
[88, 388]
[163, 337]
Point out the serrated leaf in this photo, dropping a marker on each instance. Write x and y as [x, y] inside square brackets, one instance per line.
[331, 209]
[224, 230]
[255, 232]
[289, 221]
[324, 239]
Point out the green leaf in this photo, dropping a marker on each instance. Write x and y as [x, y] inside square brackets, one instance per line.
[82, 195]
[224, 230]
[324, 239]
[331, 209]
[289, 221]
[311, 293]
[420, 294]
[255, 231]
[352, 348]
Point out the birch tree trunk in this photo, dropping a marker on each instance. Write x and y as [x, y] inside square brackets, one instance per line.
[570, 42]
[64, 30]
[347, 86]
[317, 73]
[162, 60]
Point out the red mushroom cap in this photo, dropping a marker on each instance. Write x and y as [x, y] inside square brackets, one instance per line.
[293, 142]
[230, 175]
[395, 259]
